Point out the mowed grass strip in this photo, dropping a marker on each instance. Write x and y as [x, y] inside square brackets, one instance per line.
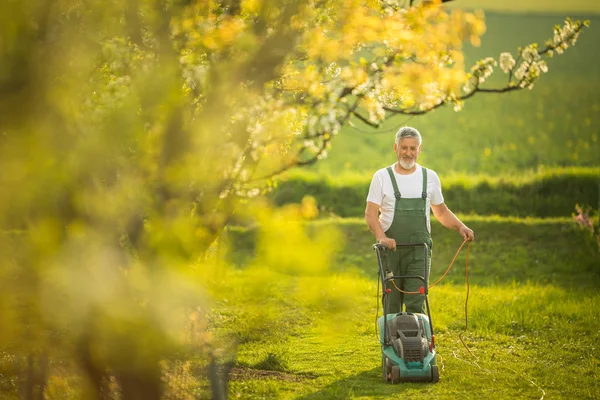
[532, 320]
[518, 335]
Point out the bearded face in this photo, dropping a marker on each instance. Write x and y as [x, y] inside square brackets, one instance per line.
[407, 151]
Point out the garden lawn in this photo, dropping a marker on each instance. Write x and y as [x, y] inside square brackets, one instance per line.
[532, 320]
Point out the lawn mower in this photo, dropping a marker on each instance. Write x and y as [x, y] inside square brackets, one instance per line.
[407, 339]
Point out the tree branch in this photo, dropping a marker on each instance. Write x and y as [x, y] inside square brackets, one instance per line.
[365, 120]
[412, 111]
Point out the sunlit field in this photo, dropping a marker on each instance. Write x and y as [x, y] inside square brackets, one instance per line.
[532, 319]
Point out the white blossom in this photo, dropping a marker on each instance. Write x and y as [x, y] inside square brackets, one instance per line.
[530, 54]
[557, 38]
[333, 70]
[468, 86]
[534, 69]
[253, 192]
[565, 36]
[507, 62]
[521, 70]
[362, 88]
[483, 69]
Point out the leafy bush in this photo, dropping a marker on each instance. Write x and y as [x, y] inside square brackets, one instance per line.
[546, 193]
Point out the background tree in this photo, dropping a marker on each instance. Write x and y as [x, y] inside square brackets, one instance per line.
[141, 125]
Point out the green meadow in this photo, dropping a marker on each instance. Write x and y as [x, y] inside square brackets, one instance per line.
[531, 331]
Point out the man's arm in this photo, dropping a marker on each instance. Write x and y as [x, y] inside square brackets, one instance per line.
[451, 221]
[371, 216]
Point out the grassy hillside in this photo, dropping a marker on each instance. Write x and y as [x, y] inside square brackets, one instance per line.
[533, 320]
[555, 124]
[531, 6]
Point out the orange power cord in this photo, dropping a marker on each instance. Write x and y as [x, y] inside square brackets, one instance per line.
[446, 272]
[460, 335]
[468, 289]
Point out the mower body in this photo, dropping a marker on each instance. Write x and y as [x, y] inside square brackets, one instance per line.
[409, 355]
[407, 339]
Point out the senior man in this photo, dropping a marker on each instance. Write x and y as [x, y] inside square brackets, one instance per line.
[398, 207]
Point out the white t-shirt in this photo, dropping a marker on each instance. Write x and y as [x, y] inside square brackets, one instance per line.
[381, 192]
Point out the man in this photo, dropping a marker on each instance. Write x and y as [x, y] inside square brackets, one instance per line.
[403, 194]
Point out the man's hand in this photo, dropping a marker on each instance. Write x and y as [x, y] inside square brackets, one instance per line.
[451, 221]
[388, 242]
[466, 233]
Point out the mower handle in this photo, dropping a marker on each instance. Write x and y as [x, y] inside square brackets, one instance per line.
[381, 251]
[382, 247]
[391, 278]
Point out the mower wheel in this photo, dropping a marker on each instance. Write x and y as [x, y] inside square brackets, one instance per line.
[435, 374]
[395, 374]
[385, 371]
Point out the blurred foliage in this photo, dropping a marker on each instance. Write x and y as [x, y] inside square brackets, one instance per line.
[131, 131]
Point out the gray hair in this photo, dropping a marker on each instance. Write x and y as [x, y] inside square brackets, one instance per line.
[408, 132]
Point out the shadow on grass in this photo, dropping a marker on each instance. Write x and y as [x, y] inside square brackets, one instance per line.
[368, 384]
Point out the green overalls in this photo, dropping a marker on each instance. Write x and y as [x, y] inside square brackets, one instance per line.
[408, 226]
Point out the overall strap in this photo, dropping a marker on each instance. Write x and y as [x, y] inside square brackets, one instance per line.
[394, 183]
[424, 194]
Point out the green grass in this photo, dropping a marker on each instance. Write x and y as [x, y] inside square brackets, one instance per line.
[533, 319]
[516, 342]
[555, 124]
[543, 250]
